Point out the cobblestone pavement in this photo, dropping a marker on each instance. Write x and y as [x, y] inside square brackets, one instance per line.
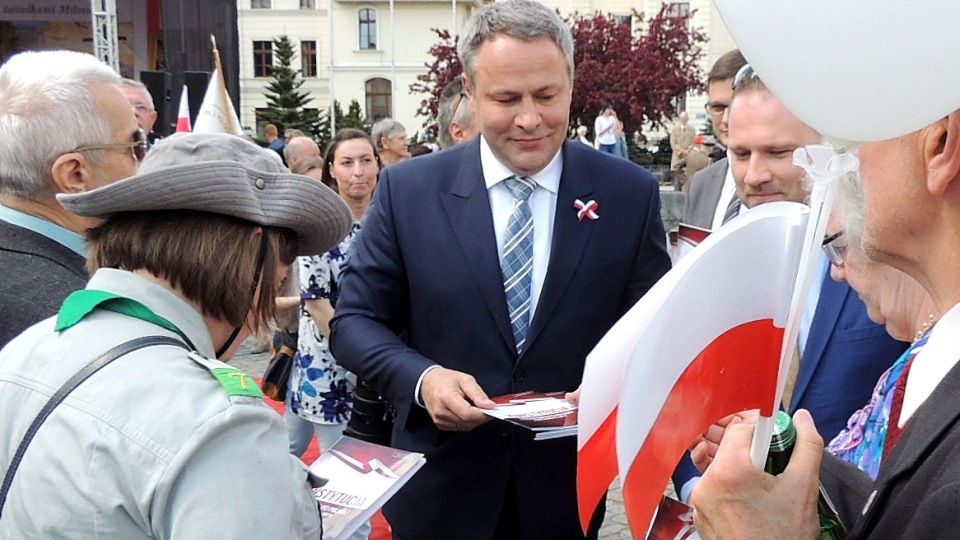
[614, 525]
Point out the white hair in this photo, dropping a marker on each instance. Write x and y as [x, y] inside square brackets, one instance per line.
[48, 108]
[147, 96]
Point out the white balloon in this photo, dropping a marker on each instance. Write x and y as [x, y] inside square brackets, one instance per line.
[855, 70]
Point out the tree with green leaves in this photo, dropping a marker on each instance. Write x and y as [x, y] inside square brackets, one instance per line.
[285, 101]
[353, 119]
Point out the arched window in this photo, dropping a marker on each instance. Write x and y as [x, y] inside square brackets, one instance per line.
[368, 29]
[378, 92]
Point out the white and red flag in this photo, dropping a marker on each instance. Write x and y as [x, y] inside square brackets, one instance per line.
[705, 341]
[183, 115]
[217, 114]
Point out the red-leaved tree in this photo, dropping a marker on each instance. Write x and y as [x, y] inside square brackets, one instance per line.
[641, 73]
[445, 67]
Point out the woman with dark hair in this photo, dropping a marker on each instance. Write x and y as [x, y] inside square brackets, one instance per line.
[321, 390]
[152, 435]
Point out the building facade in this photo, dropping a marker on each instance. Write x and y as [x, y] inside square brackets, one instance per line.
[372, 51]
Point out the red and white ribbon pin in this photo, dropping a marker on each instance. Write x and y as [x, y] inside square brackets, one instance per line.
[587, 209]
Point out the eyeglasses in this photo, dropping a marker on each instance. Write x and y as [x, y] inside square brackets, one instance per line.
[142, 107]
[745, 74]
[456, 107]
[835, 253]
[138, 145]
[715, 107]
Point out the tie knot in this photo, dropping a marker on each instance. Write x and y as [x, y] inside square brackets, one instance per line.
[520, 187]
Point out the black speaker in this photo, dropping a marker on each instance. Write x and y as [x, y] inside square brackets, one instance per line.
[196, 82]
[158, 84]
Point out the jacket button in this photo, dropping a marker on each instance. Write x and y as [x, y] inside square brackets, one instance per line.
[518, 375]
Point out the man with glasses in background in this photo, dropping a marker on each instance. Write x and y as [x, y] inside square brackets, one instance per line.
[454, 116]
[143, 108]
[65, 127]
[712, 191]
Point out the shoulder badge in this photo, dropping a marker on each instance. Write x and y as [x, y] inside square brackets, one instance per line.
[234, 381]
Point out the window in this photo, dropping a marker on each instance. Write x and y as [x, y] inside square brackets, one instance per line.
[625, 20]
[262, 58]
[378, 93]
[368, 29]
[308, 4]
[308, 58]
[260, 4]
[678, 9]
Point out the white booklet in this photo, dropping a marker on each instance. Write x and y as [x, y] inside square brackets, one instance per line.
[361, 477]
[547, 415]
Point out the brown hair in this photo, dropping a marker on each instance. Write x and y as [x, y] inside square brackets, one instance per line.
[346, 134]
[307, 164]
[210, 258]
[727, 66]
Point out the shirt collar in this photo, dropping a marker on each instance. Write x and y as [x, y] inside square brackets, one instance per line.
[160, 300]
[495, 172]
[66, 237]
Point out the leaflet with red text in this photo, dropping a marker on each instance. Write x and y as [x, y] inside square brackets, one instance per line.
[361, 477]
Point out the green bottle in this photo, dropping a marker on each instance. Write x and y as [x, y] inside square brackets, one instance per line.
[781, 447]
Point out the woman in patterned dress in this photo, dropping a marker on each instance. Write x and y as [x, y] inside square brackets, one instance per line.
[322, 391]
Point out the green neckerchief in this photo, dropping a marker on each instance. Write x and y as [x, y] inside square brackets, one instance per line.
[81, 303]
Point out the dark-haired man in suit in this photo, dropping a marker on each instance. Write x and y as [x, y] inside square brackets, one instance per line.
[484, 308]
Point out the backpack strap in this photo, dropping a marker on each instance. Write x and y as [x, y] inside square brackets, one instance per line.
[67, 387]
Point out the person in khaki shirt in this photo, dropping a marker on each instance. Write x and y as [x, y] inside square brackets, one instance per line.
[681, 141]
[697, 159]
[167, 441]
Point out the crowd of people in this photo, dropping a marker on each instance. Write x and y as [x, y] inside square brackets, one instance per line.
[437, 281]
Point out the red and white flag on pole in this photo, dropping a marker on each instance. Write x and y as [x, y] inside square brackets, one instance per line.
[705, 341]
[183, 115]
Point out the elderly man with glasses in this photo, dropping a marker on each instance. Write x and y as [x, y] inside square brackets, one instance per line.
[142, 103]
[65, 127]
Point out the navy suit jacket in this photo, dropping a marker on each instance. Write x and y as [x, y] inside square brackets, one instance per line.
[844, 357]
[425, 267]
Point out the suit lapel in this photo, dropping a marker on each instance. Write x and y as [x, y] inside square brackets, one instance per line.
[833, 296]
[570, 237]
[467, 207]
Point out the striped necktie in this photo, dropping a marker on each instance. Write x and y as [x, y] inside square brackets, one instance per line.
[733, 208]
[517, 264]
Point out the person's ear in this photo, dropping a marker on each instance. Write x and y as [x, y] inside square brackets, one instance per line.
[942, 154]
[456, 132]
[466, 86]
[72, 173]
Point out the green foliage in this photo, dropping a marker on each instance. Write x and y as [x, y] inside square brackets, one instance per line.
[353, 119]
[285, 101]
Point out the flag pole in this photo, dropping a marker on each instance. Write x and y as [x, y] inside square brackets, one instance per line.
[218, 69]
[824, 165]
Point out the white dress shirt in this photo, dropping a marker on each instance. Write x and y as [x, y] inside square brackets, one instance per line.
[543, 204]
[932, 363]
[726, 193]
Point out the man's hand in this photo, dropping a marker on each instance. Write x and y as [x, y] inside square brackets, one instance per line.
[452, 398]
[735, 500]
[704, 449]
[573, 398]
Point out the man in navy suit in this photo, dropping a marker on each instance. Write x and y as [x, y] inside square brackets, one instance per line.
[423, 313]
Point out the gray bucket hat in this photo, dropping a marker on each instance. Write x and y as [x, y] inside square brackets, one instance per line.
[224, 174]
